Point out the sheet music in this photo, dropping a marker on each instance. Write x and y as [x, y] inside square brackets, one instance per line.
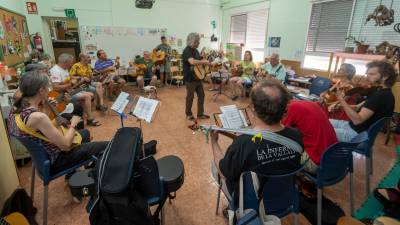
[120, 103]
[232, 117]
[145, 108]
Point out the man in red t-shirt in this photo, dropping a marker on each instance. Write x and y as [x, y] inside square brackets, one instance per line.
[313, 123]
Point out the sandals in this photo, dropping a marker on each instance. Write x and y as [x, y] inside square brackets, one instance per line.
[101, 108]
[93, 123]
[191, 118]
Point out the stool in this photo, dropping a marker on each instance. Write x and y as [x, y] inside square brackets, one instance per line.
[172, 170]
[151, 91]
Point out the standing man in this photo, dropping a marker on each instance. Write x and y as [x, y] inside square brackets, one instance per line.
[164, 68]
[191, 57]
[274, 68]
[104, 65]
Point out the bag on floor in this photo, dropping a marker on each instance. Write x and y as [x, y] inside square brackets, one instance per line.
[20, 202]
[118, 200]
[150, 148]
[331, 212]
[244, 213]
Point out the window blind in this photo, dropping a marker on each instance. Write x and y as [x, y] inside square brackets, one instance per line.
[368, 32]
[256, 29]
[329, 26]
[238, 29]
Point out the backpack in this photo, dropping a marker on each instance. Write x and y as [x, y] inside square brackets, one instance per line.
[119, 201]
[20, 202]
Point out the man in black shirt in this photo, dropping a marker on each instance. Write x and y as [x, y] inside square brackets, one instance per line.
[190, 58]
[377, 105]
[269, 99]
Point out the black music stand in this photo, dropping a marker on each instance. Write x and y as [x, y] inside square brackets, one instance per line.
[215, 96]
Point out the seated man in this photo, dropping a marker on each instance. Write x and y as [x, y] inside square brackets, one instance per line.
[61, 82]
[269, 99]
[149, 71]
[222, 75]
[104, 65]
[34, 88]
[83, 70]
[317, 135]
[274, 68]
[379, 104]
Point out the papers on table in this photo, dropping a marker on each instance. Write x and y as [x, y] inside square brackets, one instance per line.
[145, 109]
[232, 117]
[121, 102]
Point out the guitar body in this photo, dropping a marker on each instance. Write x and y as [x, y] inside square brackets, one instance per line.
[61, 104]
[77, 137]
[14, 219]
[158, 57]
[200, 71]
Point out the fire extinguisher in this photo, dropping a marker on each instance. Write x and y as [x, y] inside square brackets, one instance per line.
[37, 42]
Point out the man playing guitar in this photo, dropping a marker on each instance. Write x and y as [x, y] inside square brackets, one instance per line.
[83, 70]
[164, 67]
[61, 82]
[104, 65]
[148, 73]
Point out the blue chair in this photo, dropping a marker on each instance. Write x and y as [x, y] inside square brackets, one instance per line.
[336, 162]
[319, 85]
[41, 162]
[280, 194]
[366, 147]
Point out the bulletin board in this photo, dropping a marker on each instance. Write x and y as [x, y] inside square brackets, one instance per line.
[125, 42]
[14, 38]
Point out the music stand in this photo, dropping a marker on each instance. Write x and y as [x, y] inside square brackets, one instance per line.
[215, 96]
[120, 104]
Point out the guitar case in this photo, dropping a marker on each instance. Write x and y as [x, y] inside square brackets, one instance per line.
[82, 184]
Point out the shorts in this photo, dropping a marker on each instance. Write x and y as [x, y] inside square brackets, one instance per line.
[247, 81]
[74, 98]
[90, 88]
[165, 68]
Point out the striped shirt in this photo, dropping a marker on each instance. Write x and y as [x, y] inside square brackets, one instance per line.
[51, 149]
[103, 64]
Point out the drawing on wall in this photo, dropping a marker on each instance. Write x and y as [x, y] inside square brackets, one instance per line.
[179, 42]
[14, 24]
[274, 42]
[7, 23]
[2, 33]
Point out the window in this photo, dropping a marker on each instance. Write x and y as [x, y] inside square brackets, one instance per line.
[327, 32]
[250, 29]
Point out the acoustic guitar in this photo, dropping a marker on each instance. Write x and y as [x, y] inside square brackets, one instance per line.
[201, 71]
[158, 57]
[14, 219]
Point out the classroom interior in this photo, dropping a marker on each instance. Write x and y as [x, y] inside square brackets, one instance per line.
[312, 39]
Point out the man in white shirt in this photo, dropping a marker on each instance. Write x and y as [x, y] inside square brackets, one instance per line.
[274, 68]
[61, 82]
[222, 75]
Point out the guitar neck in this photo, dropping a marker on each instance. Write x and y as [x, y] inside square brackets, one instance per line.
[53, 110]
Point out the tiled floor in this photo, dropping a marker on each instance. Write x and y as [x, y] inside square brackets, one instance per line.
[195, 202]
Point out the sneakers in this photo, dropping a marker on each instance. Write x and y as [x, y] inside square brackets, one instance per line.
[191, 118]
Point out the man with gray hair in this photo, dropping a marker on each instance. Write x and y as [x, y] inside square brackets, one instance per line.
[190, 58]
[274, 68]
[61, 82]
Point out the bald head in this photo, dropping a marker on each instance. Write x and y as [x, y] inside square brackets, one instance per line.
[274, 60]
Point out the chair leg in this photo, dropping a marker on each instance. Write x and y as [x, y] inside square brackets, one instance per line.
[319, 206]
[45, 203]
[163, 215]
[219, 194]
[367, 176]
[387, 132]
[351, 194]
[296, 219]
[33, 182]
[371, 163]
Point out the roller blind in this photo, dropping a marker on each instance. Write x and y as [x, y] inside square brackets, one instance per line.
[328, 26]
[256, 28]
[238, 29]
[368, 32]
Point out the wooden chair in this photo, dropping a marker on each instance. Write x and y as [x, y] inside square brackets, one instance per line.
[176, 75]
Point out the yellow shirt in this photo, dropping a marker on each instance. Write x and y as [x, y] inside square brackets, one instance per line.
[78, 69]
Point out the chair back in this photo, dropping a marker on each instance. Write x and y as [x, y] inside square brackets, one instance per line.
[148, 180]
[335, 163]
[374, 129]
[39, 156]
[319, 85]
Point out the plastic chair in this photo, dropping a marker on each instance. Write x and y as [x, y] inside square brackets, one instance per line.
[336, 163]
[319, 85]
[41, 162]
[280, 194]
[366, 147]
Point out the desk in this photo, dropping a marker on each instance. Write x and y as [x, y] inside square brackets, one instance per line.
[298, 90]
[302, 80]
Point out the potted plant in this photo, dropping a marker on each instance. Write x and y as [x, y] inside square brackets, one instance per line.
[361, 46]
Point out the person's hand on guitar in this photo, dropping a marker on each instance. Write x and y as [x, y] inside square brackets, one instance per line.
[204, 62]
[75, 120]
[61, 121]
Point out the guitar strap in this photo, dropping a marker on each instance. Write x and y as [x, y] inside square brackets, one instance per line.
[22, 126]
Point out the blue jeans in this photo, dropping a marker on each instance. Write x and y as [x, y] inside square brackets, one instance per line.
[343, 130]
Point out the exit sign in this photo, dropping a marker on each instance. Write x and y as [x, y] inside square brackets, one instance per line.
[70, 13]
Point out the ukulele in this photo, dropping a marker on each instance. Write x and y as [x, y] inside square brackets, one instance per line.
[201, 71]
[14, 219]
[158, 57]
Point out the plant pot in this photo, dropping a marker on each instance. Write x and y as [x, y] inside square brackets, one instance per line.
[362, 49]
[349, 50]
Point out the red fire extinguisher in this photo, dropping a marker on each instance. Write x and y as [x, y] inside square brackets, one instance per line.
[37, 42]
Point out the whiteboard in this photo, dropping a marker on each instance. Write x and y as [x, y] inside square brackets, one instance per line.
[126, 42]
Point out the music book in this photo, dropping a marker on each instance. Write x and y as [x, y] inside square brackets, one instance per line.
[145, 108]
[120, 103]
[232, 117]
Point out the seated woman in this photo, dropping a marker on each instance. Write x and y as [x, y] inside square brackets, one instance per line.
[148, 71]
[83, 70]
[220, 76]
[238, 83]
[34, 88]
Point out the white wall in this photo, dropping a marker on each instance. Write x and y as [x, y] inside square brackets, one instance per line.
[13, 5]
[180, 17]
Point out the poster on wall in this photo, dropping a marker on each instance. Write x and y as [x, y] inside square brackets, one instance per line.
[31, 7]
[274, 42]
[2, 33]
